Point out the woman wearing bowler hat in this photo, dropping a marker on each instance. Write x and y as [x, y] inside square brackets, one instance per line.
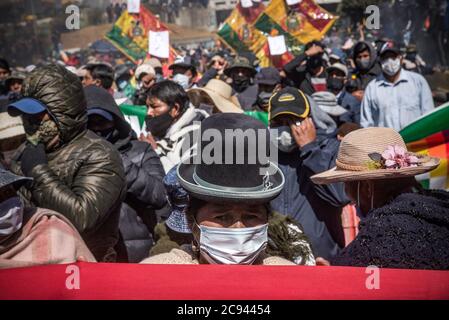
[228, 207]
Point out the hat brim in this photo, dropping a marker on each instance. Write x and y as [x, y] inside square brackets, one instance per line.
[100, 112]
[12, 132]
[266, 82]
[185, 175]
[339, 175]
[177, 221]
[26, 105]
[221, 103]
[334, 111]
[182, 65]
[332, 68]
[8, 178]
[228, 70]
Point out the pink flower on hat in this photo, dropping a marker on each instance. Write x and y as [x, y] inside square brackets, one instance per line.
[397, 157]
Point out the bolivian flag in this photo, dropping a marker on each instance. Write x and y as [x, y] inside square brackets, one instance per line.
[130, 33]
[430, 135]
[301, 23]
[238, 31]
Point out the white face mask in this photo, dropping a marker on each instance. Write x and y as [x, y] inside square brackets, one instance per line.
[182, 80]
[232, 245]
[11, 216]
[283, 139]
[391, 66]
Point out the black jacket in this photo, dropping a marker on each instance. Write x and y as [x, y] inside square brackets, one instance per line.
[84, 178]
[316, 207]
[412, 232]
[144, 174]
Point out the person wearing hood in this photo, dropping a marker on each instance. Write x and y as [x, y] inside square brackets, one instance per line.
[308, 70]
[143, 170]
[170, 122]
[75, 172]
[367, 66]
[301, 154]
[327, 102]
[397, 97]
[337, 78]
[242, 74]
[402, 225]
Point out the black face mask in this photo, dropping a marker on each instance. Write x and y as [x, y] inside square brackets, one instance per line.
[110, 134]
[314, 62]
[262, 99]
[158, 126]
[240, 83]
[335, 84]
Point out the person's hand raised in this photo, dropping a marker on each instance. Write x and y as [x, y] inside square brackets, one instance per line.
[304, 133]
[314, 50]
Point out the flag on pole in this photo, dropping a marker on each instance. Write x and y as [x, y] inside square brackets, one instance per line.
[130, 33]
[299, 23]
[238, 31]
[430, 135]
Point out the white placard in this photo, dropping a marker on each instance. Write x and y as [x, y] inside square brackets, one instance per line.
[159, 44]
[133, 6]
[277, 45]
[293, 2]
[246, 3]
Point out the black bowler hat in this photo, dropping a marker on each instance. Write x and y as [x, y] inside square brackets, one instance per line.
[251, 179]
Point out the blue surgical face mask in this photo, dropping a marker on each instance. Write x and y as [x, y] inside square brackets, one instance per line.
[282, 138]
[232, 245]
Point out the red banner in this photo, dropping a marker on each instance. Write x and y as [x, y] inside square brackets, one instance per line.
[209, 282]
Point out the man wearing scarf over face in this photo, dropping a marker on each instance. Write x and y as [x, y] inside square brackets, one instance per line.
[242, 74]
[301, 154]
[170, 121]
[75, 172]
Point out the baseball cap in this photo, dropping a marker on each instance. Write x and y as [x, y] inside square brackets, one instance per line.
[389, 47]
[289, 100]
[268, 76]
[338, 66]
[26, 105]
[103, 113]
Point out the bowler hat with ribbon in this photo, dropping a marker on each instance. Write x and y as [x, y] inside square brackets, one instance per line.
[239, 167]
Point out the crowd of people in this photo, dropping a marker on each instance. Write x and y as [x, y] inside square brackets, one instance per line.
[78, 183]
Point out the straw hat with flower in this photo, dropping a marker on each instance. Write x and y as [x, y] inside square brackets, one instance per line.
[375, 153]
